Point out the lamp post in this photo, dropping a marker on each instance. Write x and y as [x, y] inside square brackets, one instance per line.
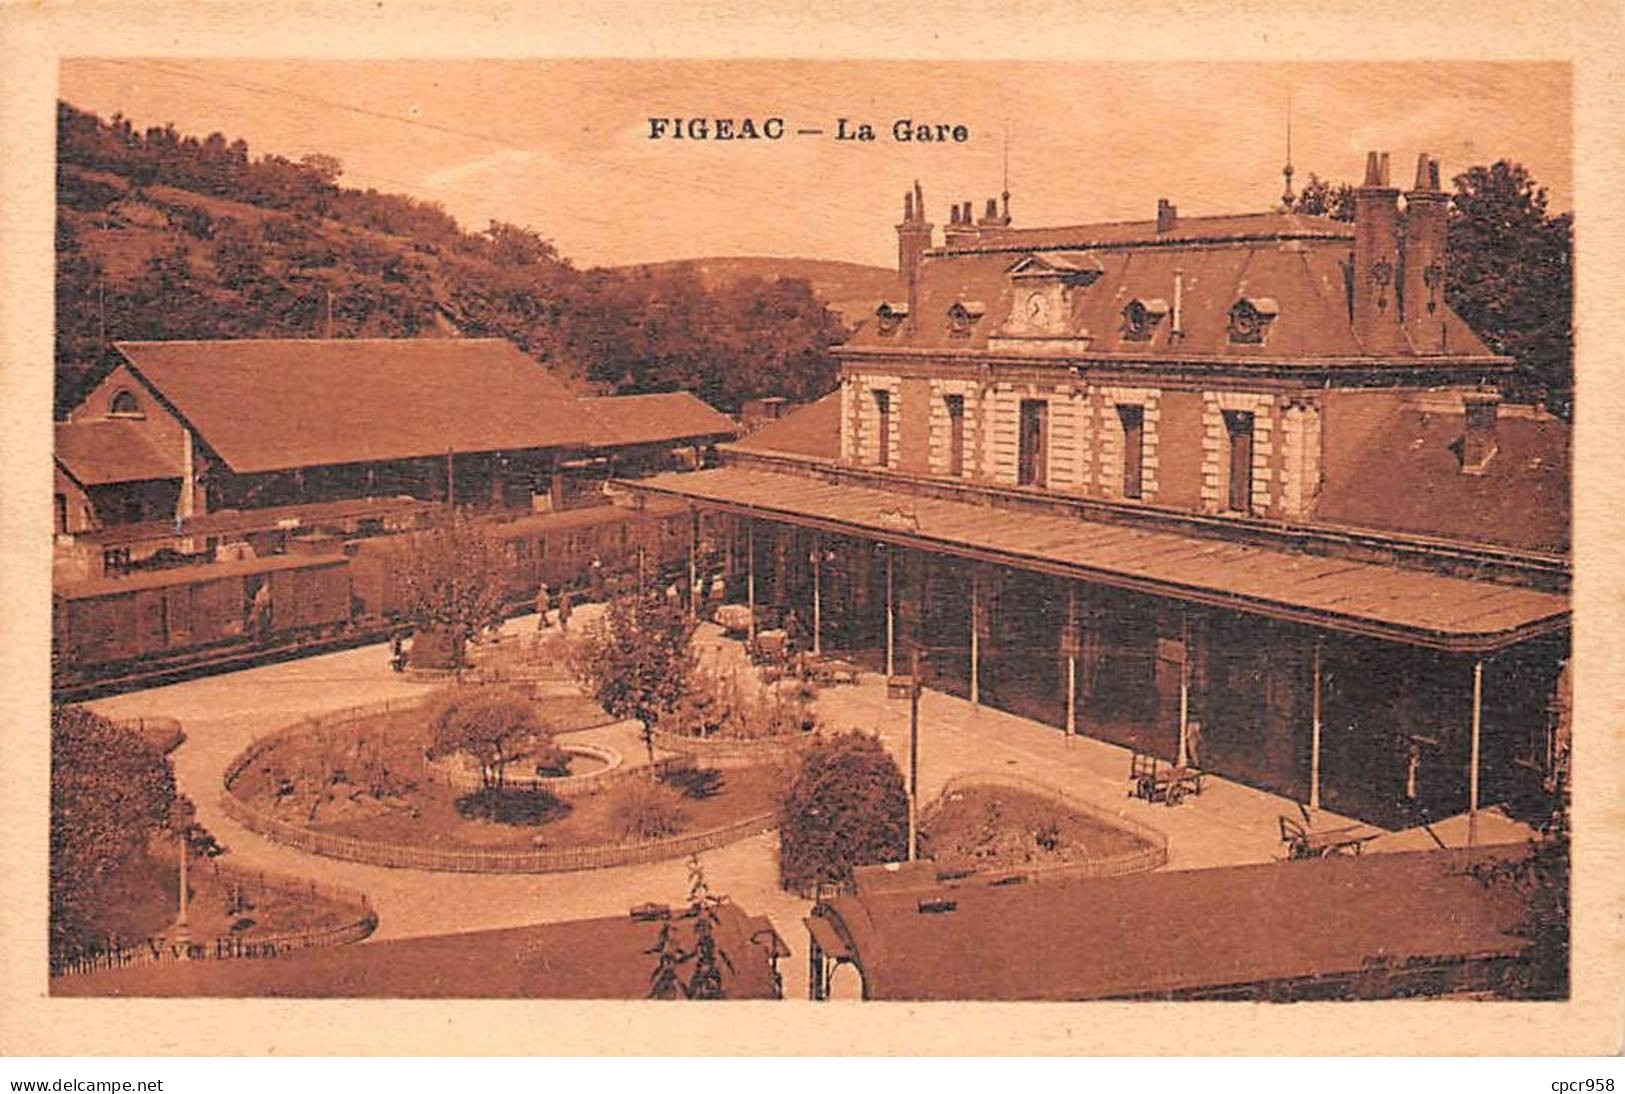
[914, 754]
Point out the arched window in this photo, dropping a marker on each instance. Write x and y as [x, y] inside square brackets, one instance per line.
[124, 403]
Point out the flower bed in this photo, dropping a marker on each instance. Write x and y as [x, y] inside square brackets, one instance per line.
[340, 916]
[1002, 825]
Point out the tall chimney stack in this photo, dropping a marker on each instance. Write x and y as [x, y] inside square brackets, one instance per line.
[1422, 280]
[960, 228]
[913, 240]
[1167, 215]
[1376, 260]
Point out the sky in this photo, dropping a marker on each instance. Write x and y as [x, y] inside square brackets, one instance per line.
[564, 147]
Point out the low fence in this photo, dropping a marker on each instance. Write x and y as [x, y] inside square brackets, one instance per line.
[357, 921]
[727, 749]
[1153, 855]
[533, 861]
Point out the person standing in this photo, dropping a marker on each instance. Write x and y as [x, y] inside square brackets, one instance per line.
[564, 611]
[543, 603]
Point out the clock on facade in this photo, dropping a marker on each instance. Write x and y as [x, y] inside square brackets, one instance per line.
[1037, 309]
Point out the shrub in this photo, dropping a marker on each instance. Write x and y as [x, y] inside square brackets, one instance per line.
[551, 760]
[110, 791]
[847, 807]
[647, 811]
[530, 807]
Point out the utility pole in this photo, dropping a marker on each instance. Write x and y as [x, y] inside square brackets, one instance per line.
[914, 755]
[329, 311]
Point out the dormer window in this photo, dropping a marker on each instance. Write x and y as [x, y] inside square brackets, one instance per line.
[1250, 319]
[1140, 319]
[124, 405]
[889, 316]
[963, 316]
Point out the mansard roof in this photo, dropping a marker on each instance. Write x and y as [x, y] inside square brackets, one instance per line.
[1296, 262]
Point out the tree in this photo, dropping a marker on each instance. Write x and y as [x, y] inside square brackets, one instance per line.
[1509, 272]
[705, 979]
[1511, 277]
[452, 579]
[488, 724]
[847, 807]
[1320, 198]
[110, 792]
[637, 661]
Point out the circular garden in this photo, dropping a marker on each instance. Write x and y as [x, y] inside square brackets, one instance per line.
[484, 778]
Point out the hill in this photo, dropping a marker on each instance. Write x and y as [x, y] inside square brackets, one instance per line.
[166, 236]
[849, 289]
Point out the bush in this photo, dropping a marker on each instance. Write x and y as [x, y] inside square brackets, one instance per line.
[647, 811]
[110, 791]
[551, 761]
[531, 807]
[847, 807]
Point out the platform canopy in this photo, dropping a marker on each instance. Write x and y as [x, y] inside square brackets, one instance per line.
[1380, 601]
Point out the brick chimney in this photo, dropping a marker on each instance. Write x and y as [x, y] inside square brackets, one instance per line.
[1167, 215]
[1375, 312]
[1478, 443]
[1422, 271]
[961, 229]
[913, 240]
[992, 218]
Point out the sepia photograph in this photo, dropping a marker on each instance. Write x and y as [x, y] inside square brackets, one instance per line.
[815, 531]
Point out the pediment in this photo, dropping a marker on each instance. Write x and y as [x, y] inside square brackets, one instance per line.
[1070, 267]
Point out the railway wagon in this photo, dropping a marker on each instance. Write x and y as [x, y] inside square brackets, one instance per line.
[558, 548]
[102, 627]
[160, 622]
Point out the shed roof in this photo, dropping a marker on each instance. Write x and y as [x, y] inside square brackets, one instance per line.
[274, 404]
[811, 430]
[650, 419]
[1358, 597]
[606, 958]
[112, 450]
[1177, 931]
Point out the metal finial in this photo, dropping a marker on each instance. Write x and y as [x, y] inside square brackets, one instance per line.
[1006, 194]
[1286, 172]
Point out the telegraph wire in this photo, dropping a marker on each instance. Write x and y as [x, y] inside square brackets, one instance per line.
[284, 93]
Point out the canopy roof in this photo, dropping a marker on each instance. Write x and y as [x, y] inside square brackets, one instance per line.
[1381, 601]
[97, 453]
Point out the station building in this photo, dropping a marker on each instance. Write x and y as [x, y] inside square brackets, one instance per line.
[1240, 492]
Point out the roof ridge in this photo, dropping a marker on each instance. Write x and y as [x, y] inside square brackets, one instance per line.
[305, 341]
